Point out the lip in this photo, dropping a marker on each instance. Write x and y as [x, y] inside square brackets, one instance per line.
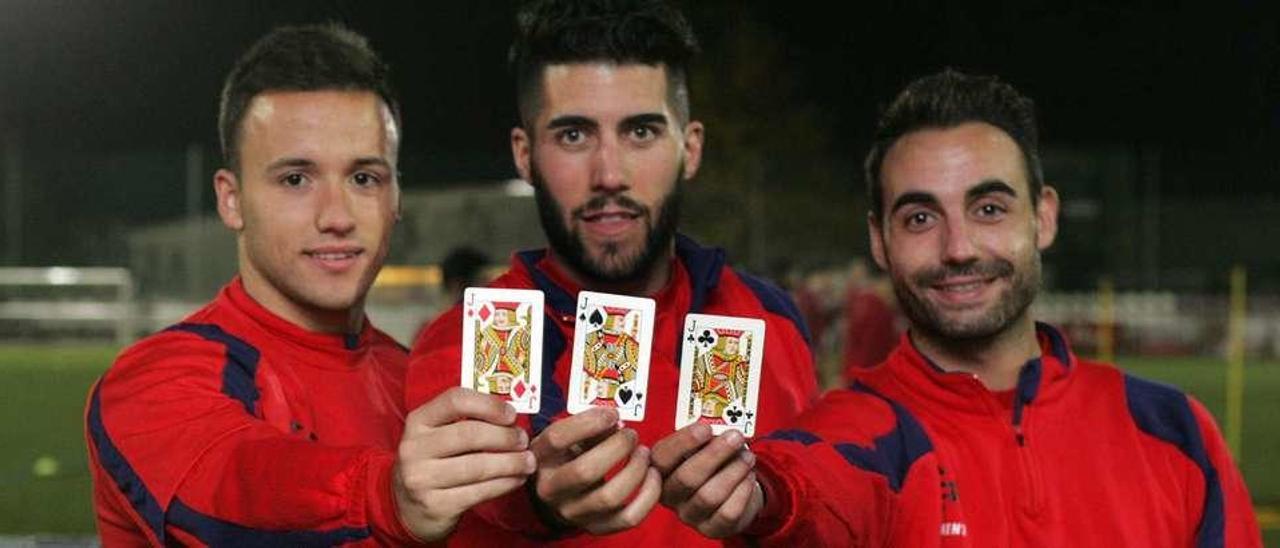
[334, 258]
[963, 290]
[610, 221]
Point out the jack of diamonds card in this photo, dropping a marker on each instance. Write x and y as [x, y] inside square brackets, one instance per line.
[720, 363]
[612, 340]
[502, 344]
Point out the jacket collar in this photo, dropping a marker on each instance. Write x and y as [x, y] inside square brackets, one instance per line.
[1040, 380]
[237, 298]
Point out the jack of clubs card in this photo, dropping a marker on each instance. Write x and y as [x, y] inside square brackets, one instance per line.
[720, 363]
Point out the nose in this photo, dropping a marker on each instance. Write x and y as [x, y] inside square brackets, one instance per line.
[609, 173]
[333, 210]
[958, 247]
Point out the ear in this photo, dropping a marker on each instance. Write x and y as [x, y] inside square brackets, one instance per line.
[399, 201]
[1046, 217]
[520, 151]
[693, 136]
[227, 189]
[877, 241]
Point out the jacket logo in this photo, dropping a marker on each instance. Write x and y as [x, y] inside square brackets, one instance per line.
[953, 529]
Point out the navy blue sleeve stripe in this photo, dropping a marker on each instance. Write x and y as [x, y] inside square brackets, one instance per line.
[241, 368]
[218, 532]
[799, 436]
[553, 398]
[1164, 412]
[890, 455]
[121, 472]
[777, 301]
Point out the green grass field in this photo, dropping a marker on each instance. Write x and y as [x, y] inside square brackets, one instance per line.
[44, 387]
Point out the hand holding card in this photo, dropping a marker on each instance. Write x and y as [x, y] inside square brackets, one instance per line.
[612, 340]
[502, 344]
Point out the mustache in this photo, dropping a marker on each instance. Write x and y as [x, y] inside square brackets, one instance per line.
[598, 203]
[995, 268]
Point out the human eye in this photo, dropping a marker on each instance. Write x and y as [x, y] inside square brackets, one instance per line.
[644, 133]
[918, 221]
[990, 211]
[571, 136]
[366, 179]
[293, 179]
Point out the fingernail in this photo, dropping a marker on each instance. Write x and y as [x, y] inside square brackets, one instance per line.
[530, 462]
[747, 456]
[523, 439]
[733, 437]
[701, 432]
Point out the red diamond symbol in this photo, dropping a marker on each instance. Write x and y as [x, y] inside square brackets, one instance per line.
[484, 313]
[518, 389]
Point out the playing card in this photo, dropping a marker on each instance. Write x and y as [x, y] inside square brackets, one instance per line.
[720, 362]
[612, 339]
[502, 344]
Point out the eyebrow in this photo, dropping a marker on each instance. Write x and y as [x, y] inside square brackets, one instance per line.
[646, 118]
[570, 120]
[373, 161]
[290, 162]
[990, 186]
[908, 198]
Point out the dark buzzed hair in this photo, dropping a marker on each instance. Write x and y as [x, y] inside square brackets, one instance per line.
[300, 58]
[648, 32]
[948, 99]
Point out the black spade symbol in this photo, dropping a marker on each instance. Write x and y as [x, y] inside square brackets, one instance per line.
[706, 337]
[734, 415]
[624, 395]
[597, 318]
[582, 317]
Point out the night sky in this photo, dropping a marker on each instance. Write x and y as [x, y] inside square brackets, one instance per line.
[93, 90]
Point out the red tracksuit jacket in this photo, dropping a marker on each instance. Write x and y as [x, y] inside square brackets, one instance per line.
[1078, 454]
[238, 428]
[700, 283]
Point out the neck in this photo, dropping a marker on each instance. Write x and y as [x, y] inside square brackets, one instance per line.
[308, 317]
[648, 283]
[996, 360]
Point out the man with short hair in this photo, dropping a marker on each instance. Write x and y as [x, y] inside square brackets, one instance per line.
[982, 428]
[274, 415]
[607, 142]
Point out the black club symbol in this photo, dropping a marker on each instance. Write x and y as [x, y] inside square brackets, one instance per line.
[705, 338]
[733, 415]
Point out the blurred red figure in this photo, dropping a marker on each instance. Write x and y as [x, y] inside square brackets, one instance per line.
[871, 323]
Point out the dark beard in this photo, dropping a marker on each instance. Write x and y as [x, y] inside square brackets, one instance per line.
[568, 245]
[929, 320]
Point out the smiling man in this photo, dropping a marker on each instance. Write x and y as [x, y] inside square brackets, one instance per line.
[982, 428]
[274, 415]
[607, 141]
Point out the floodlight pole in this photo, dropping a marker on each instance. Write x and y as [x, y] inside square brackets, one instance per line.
[1236, 327]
